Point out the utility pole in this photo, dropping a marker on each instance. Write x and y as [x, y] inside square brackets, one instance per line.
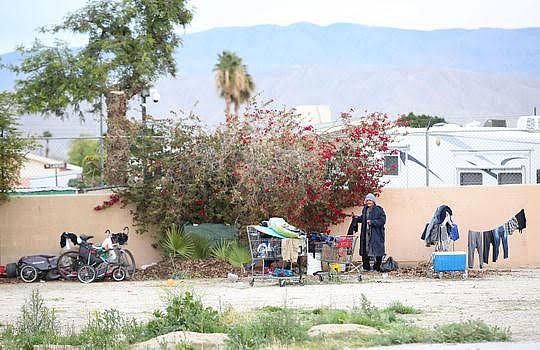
[427, 152]
[101, 160]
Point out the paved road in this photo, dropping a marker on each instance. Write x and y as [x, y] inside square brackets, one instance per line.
[510, 300]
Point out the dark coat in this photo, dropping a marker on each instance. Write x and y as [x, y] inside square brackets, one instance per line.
[378, 220]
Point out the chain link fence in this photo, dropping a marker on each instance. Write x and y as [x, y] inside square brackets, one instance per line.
[63, 163]
[438, 157]
[446, 156]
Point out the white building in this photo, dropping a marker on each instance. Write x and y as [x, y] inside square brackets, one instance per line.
[314, 114]
[42, 172]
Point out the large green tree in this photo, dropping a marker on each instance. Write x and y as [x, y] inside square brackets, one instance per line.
[420, 121]
[131, 43]
[12, 146]
[233, 81]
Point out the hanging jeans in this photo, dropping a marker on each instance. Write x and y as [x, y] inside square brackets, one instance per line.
[500, 235]
[475, 242]
[488, 239]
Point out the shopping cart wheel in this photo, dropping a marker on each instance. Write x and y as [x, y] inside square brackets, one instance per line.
[359, 278]
[282, 283]
[321, 278]
[251, 282]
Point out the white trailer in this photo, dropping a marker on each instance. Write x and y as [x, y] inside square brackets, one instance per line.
[462, 156]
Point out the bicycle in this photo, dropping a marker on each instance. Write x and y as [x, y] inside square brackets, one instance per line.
[71, 261]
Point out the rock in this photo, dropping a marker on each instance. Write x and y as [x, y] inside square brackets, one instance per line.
[324, 329]
[171, 340]
[232, 277]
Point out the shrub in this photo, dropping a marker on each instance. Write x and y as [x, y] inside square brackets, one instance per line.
[266, 163]
[108, 329]
[401, 309]
[37, 324]
[280, 326]
[469, 332]
[184, 312]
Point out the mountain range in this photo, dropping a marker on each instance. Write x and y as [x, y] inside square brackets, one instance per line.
[458, 74]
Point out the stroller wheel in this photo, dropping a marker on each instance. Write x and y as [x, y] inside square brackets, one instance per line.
[86, 274]
[119, 273]
[28, 273]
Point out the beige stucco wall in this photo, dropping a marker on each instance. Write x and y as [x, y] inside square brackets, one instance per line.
[33, 224]
[475, 208]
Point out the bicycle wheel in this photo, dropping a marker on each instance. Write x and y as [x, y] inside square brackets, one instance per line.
[28, 273]
[67, 265]
[86, 274]
[127, 260]
[119, 273]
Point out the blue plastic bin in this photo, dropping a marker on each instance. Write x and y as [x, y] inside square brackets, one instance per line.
[449, 261]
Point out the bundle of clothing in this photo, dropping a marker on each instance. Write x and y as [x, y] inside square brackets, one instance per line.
[440, 230]
[482, 240]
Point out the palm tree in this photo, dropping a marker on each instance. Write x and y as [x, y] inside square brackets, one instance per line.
[47, 134]
[234, 84]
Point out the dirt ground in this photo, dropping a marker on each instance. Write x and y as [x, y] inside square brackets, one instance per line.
[509, 300]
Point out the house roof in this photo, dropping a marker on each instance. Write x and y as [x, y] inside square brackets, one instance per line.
[46, 160]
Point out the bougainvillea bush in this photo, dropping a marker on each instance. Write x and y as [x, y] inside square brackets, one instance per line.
[265, 163]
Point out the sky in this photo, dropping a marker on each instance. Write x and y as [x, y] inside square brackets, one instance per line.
[18, 19]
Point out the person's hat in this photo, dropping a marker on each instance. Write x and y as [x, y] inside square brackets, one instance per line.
[370, 197]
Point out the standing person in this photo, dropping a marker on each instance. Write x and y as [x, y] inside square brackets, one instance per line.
[372, 223]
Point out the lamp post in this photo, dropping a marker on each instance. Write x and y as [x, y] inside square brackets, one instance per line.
[144, 94]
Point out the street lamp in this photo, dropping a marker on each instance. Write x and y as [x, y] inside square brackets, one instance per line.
[153, 94]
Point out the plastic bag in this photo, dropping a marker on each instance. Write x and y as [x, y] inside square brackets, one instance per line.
[389, 265]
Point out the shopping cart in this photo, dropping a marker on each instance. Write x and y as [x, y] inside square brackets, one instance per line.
[336, 254]
[267, 249]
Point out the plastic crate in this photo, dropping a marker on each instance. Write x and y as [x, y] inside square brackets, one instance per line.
[449, 261]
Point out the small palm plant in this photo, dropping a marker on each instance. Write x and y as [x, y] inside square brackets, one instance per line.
[221, 250]
[238, 256]
[177, 243]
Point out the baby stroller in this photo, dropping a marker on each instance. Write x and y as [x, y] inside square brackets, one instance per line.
[30, 268]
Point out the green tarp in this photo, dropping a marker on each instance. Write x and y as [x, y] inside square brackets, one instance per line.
[214, 232]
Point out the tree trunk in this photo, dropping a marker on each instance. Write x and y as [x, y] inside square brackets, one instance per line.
[237, 108]
[116, 140]
[227, 106]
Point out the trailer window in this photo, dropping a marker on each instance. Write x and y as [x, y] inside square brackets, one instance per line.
[469, 179]
[391, 165]
[510, 178]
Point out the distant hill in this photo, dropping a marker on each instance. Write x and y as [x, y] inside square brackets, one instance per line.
[459, 74]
